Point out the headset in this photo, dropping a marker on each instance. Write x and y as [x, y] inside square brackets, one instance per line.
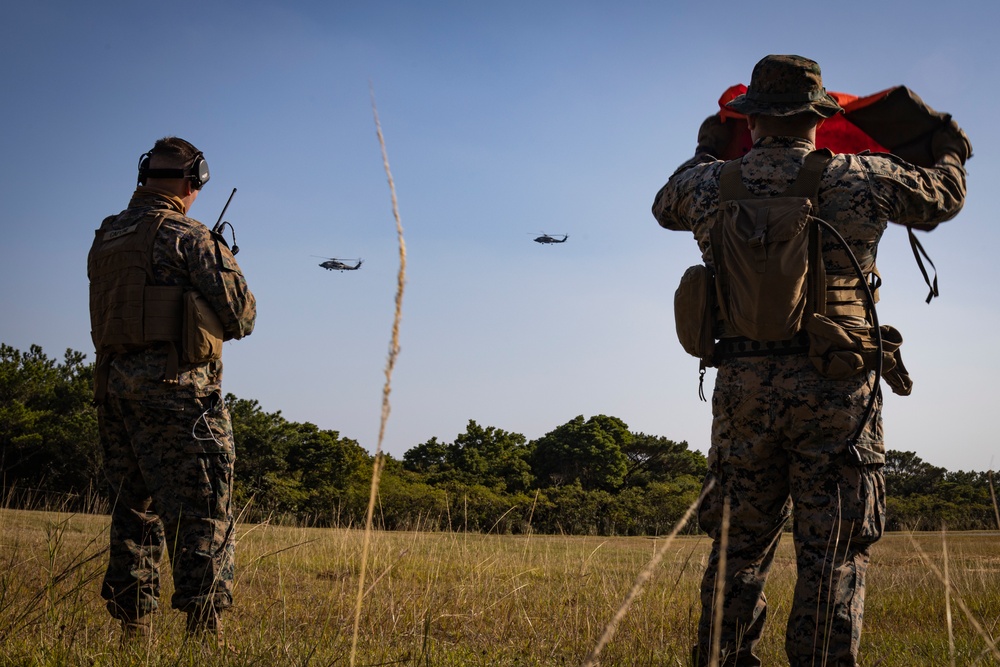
[197, 172]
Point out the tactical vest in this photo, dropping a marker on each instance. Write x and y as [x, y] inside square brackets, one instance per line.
[128, 313]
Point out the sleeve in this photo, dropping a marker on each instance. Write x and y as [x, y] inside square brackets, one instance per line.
[216, 275]
[689, 194]
[918, 197]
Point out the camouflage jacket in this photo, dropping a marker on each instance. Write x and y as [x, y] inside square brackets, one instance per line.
[185, 254]
[859, 195]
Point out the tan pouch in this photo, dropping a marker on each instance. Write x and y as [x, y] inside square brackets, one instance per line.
[202, 332]
[693, 312]
[893, 371]
[838, 352]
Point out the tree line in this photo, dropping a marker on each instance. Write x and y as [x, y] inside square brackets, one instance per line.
[587, 476]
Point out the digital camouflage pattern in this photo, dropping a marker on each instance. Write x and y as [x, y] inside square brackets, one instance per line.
[185, 254]
[168, 448]
[169, 466]
[859, 195]
[783, 85]
[781, 431]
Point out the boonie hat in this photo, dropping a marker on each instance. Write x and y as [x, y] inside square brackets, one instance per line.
[784, 86]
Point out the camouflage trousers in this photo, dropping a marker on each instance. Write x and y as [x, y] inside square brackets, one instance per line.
[169, 467]
[780, 438]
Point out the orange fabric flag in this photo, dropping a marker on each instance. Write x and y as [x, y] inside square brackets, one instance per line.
[894, 120]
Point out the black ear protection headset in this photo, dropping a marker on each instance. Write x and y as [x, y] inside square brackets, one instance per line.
[197, 172]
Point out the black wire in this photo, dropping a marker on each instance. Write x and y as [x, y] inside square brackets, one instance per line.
[232, 230]
[876, 390]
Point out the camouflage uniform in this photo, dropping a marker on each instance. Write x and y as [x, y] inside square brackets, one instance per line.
[168, 447]
[781, 430]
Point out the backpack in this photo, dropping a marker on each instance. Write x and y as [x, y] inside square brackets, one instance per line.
[769, 272]
[769, 286]
[762, 249]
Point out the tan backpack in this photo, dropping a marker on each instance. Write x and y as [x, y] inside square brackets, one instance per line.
[762, 249]
[768, 262]
[769, 285]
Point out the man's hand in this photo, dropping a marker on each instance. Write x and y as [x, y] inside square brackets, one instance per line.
[949, 138]
[714, 136]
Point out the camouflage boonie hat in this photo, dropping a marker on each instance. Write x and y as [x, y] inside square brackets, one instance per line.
[784, 86]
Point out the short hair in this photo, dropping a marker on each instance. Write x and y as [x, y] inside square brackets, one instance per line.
[796, 123]
[172, 153]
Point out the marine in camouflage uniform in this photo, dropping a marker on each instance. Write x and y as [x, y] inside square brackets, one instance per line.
[167, 439]
[781, 431]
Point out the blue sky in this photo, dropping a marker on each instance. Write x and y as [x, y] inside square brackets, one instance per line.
[502, 120]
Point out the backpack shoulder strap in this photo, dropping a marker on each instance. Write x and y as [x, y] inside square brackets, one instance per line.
[731, 182]
[807, 182]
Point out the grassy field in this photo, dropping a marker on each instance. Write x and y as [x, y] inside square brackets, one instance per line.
[463, 599]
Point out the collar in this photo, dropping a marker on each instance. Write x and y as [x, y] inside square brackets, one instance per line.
[156, 198]
[784, 142]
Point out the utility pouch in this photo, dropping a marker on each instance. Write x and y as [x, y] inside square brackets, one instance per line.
[162, 312]
[201, 340]
[837, 352]
[694, 312]
[840, 352]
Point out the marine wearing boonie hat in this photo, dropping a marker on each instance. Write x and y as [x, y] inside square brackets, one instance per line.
[785, 85]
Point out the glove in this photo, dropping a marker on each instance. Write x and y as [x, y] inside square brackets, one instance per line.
[893, 370]
[714, 136]
[949, 138]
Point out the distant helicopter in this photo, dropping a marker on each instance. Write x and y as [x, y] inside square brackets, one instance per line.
[332, 264]
[545, 238]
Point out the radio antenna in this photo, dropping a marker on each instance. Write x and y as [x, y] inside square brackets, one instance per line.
[218, 223]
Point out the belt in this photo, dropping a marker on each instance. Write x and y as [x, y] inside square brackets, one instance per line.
[738, 346]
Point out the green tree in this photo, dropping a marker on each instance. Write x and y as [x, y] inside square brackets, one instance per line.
[324, 465]
[653, 458]
[405, 501]
[925, 497]
[574, 510]
[429, 458]
[668, 501]
[906, 473]
[48, 425]
[263, 480]
[489, 457]
[590, 453]
[290, 468]
[492, 457]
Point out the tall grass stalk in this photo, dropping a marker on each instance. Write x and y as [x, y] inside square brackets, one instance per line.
[387, 388]
[947, 597]
[993, 497]
[833, 541]
[641, 580]
[720, 588]
[958, 598]
[452, 599]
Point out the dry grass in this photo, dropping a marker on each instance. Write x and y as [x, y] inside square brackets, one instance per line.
[907, 612]
[462, 599]
[386, 391]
